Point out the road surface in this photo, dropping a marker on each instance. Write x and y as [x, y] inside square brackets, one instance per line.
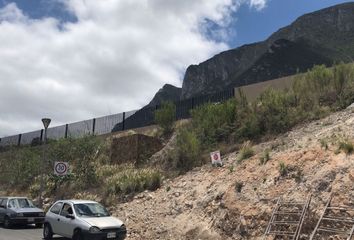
[23, 233]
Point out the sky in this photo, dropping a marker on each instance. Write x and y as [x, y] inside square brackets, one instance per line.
[72, 60]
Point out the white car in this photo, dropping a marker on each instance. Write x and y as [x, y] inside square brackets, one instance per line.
[81, 219]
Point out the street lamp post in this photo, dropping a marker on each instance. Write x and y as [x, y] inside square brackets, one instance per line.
[46, 122]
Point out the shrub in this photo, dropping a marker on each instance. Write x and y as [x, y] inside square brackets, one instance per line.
[130, 180]
[346, 146]
[188, 150]
[274, 109]
[165, 117]
[238, 186]
[82, 154]
[246, 151]
[324, 144]
[283, 169]
[265, 157]
[213, 122]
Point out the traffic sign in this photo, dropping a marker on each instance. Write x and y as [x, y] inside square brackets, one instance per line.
[216, 158]
[61, 168]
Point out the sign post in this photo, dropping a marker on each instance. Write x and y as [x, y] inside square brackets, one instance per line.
[216, 158]
[61, 168]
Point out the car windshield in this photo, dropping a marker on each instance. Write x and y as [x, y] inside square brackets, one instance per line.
[90, 210]
[20, 203]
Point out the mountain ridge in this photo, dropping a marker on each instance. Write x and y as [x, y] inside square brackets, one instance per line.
[226, 68]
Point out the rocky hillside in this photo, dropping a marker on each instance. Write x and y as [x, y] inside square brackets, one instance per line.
[165, 94]
[321, 37]
[205, 203]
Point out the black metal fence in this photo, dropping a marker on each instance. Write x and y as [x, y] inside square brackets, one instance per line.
[114, 123]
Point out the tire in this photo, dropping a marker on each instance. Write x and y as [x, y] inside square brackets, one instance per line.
[47, 232]
[78, 235]
[7, 222]
[39, 225]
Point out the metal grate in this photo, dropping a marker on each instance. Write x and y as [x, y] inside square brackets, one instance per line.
[335, 221]
[287, 219]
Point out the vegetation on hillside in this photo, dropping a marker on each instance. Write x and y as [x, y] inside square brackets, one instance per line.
[165, 117]
[89, 165]
[313, 95]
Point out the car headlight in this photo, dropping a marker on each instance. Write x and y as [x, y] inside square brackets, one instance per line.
[19, 214]
[94, 230]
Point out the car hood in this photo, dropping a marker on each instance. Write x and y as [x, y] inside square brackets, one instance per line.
[27, 210]
[104, 222]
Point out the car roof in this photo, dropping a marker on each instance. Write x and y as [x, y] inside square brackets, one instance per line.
[15, 197]
[76, 201]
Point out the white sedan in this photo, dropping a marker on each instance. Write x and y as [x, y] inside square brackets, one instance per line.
[81, 219]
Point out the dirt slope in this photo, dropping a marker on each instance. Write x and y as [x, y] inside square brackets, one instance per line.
[203, 204]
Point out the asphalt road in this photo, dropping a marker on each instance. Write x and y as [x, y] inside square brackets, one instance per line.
[23, 233]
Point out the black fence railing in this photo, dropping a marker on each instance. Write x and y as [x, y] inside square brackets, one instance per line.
[114, 123]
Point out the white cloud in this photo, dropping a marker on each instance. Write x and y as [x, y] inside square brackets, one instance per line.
[113, 59]
[258, 4]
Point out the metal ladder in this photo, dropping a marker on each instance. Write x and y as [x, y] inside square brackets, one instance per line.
[287, 219]
[332, 222]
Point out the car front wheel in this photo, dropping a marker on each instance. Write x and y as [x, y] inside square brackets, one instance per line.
[7, 222]
[78, 235]
[47, 232]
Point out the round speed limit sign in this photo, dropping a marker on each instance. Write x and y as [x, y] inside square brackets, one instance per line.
[61, 168]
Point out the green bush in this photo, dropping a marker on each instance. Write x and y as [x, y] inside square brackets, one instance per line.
[188, 150]
[275, 111]
[130, 180]
[346, 146]
[283, 169]
[213, 122]
[265, 157]
[81, 154]
[20, 166]
[165, 117]
[246, 151]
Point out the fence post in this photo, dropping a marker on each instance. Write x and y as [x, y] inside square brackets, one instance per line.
[19, 139]
[123, 122]
[93, 126]
[41, 136]
[233, 92]
[66, 130]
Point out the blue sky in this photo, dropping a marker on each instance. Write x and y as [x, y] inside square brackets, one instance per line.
[108, 56]
[252, 25]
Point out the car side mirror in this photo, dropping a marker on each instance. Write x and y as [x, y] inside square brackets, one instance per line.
[70, 216]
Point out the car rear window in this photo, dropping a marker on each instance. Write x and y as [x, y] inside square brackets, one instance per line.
[56, 208]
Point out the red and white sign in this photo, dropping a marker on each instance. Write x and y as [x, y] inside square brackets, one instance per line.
[215, 157]
[61, 168]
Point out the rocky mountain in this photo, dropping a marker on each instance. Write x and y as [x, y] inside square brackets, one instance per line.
[146, 114]
[322, 37]
[166, 93]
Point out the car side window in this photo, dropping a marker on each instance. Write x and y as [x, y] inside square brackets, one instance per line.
[3, 202]
[12, 203]
[67, 209]
[56, 208]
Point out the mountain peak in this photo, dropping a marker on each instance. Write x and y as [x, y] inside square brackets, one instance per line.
[320, 37]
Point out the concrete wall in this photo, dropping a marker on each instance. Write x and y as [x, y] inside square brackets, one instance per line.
[254, 90]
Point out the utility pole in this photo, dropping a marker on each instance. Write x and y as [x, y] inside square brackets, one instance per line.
[46, 122]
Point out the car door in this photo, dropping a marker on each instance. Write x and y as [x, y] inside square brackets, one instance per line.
[53, 216]
[66, 225]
